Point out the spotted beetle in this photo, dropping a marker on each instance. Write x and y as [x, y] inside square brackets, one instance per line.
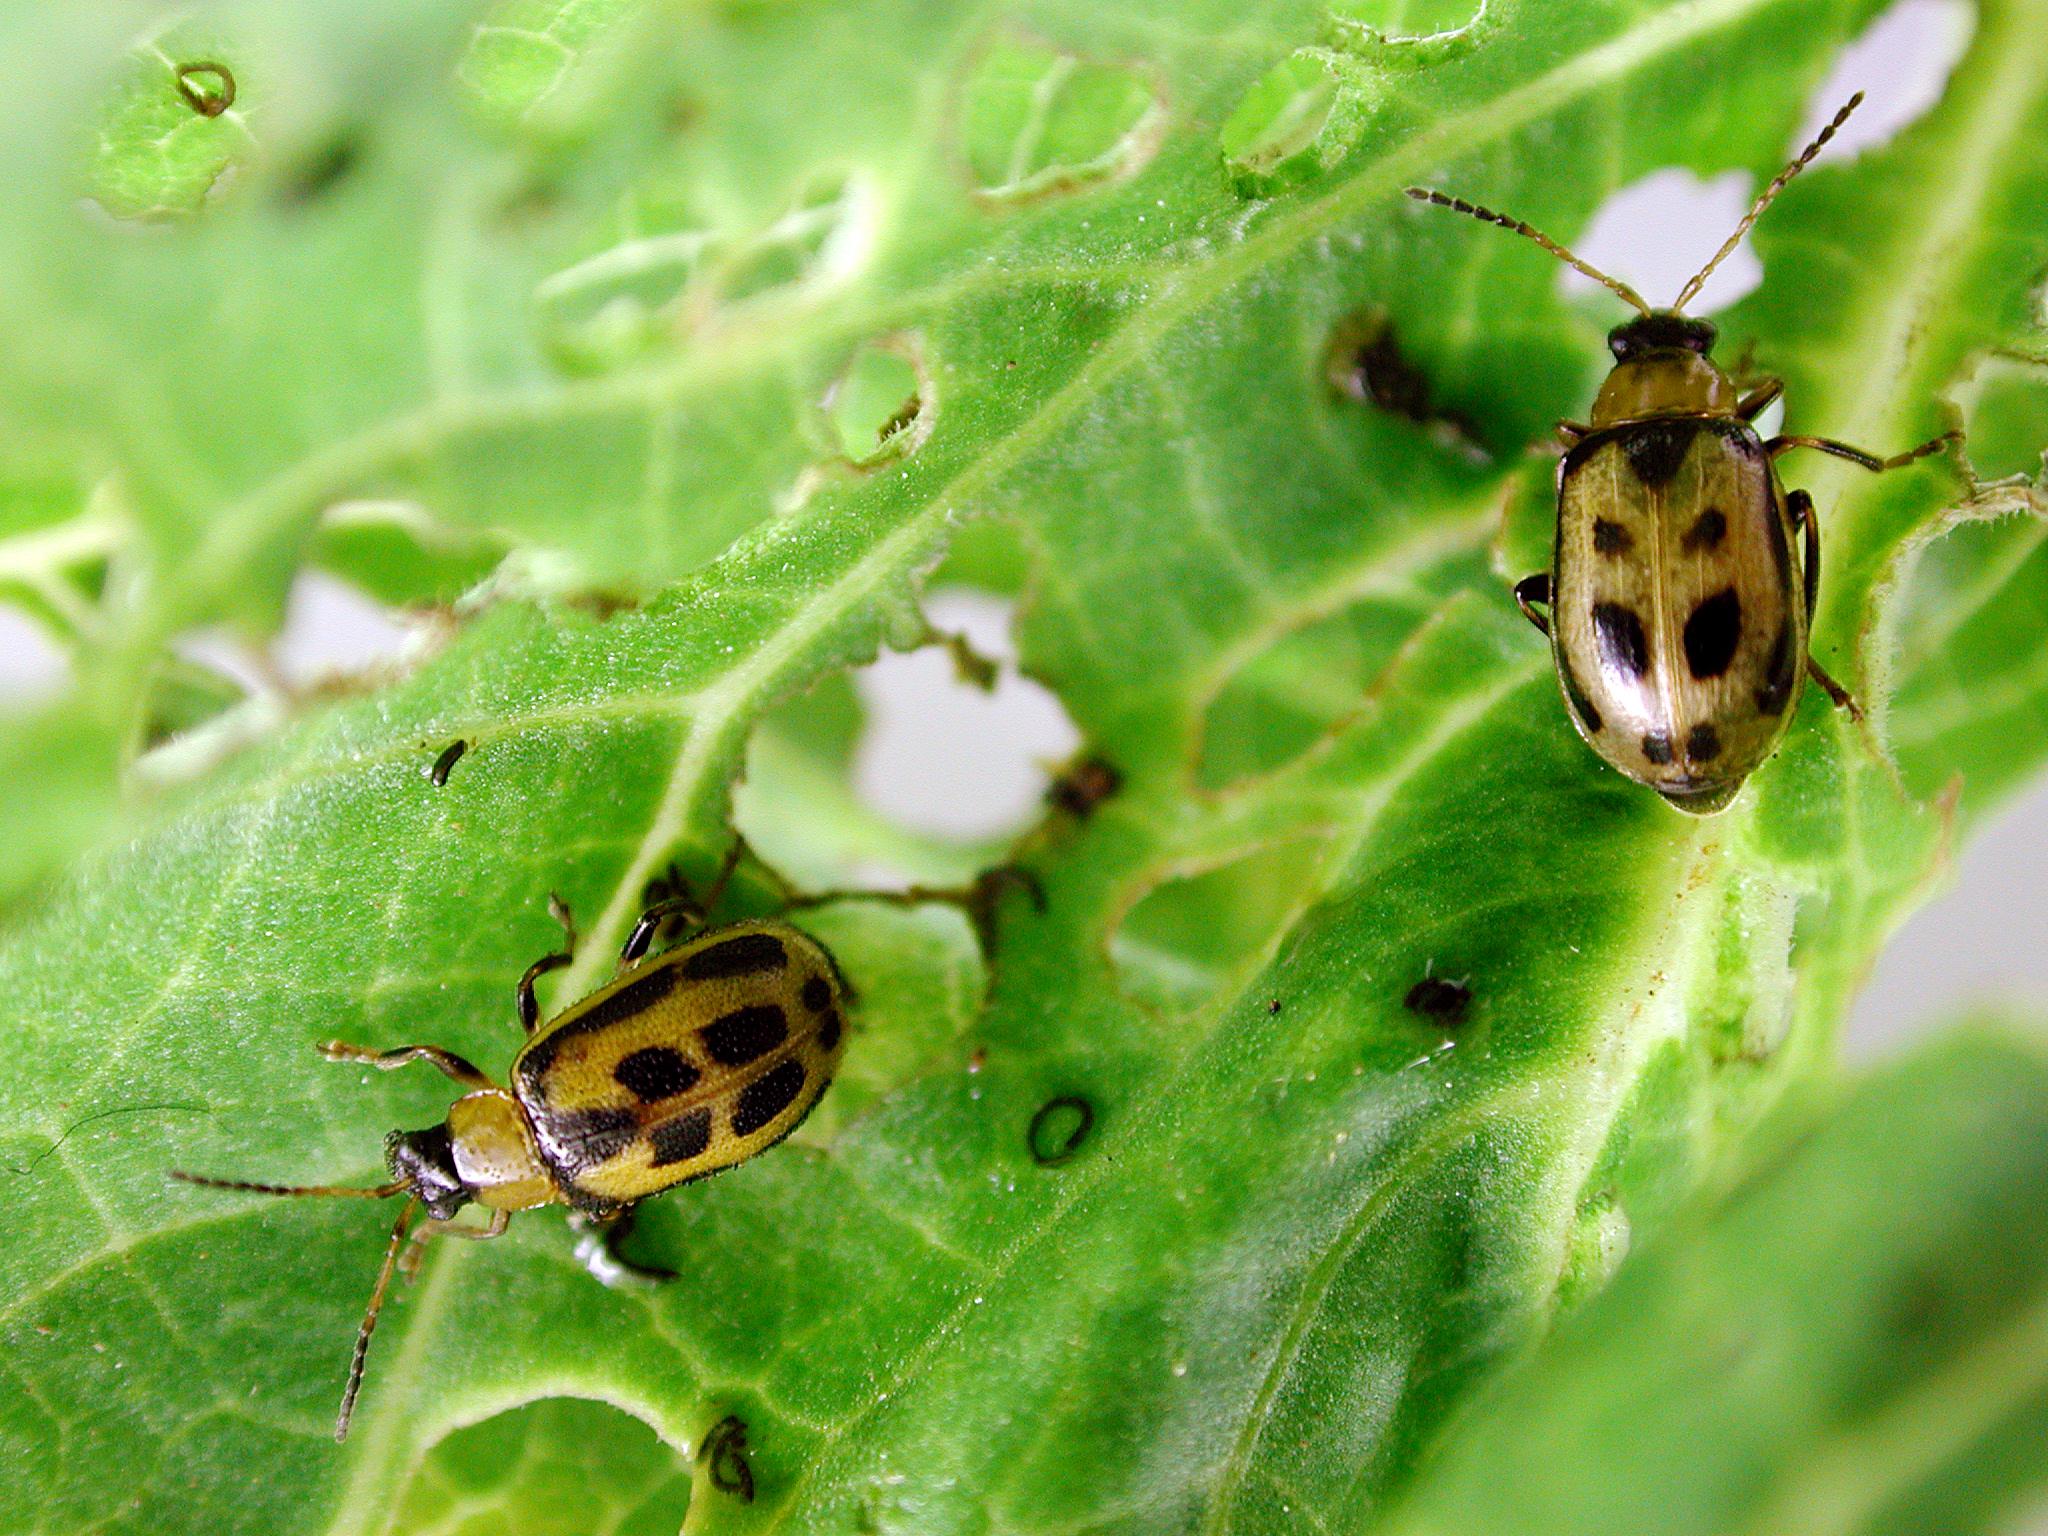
[683, 1065]
[1677, 620]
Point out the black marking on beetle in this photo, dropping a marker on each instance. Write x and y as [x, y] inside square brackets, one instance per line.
[583, 1138]
[1712, 633]
[635, 997]
[680, 1139]
[724, 1454]
[1703, 745]
[746, 1034]
[828, 1030]
[1655, 449]
[766, 1097]
[817, 994]
[655, 1072]
[1575, 695]
[1780, 673]
[1657, 747]
[1435, 998]
[1706, 533]
[1059, 1128]
[750, 954]
[450, 756]
[1622, 644]
[1610, 538]
[206, 100]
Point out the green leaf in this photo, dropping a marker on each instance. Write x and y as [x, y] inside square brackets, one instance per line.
[637, 329]
[1804, 1351]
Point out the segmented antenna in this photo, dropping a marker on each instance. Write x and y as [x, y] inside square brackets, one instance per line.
[1764, 200]
[380, 1192]
[1488, 216]
[355, 1365]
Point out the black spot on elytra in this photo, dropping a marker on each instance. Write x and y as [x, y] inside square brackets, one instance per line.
[745, 1034]
[828, 1030]
[1620, 632]
[635, 997]
[1610, 538]
[817, 994]
[1712, 633]
[655, 1072]
[1703, 745]
[1780, 673]
[1657, 747]
[1059, 1128]
[1438, 999]
[748, 955]
[1575, 694]
[1707, 532]
[587, 1137]
[680, 1139]
[766, 1097]
[1655, 449]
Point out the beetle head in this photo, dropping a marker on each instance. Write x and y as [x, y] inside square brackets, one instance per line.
[1661, 330]
[425, 1161]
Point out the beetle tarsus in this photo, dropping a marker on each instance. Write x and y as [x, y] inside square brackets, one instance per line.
[457, 1067]
[1844, 700]
[1531, 591]
[1857, 456]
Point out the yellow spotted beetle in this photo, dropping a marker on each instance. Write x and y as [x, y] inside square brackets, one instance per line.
[683, 1065]
[1676, 618]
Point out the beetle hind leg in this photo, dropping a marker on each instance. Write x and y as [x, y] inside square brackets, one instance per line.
[529, 1006]
[599, 1249]
[1532, 592]
[1799, 506]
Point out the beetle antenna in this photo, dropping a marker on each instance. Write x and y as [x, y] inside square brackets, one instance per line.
[1764, 198]
[355, 1365]
[381, 1192]
[1488, 216]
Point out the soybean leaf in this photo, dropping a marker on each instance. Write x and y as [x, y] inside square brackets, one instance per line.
[1307, 1218]
[1804, 1351]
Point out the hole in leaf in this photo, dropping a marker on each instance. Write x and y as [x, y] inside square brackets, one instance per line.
[625, 298]
[1656, 232]
[166, 139]
[1292, 692]
[947, 759]
[1300, 118]
[1409, 31]
[1365, 362]
[1200, 935]
[599, 1466]
[2004, 402]
[1036, 121]
[1059, 1129]
[32, 665]
[824, 237]
[880, 406]
[1902, 61]
[399, 554]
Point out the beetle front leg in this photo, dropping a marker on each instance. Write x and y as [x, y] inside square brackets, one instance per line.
[1531, 591]
[455, 1066]
[1569, 432]
[1799, 505]
[434, 1226]
[1857, 456]
[529, 1006]
[1754, 404]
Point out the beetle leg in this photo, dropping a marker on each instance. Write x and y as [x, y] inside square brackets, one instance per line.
[1569, 432]
[1753, 404]
[597, 1249]
[1799, 505]
[433, 1226]
[1869, 461]
[455, 1066]
[1531, 591]
[650, 920]
[529, 1006]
